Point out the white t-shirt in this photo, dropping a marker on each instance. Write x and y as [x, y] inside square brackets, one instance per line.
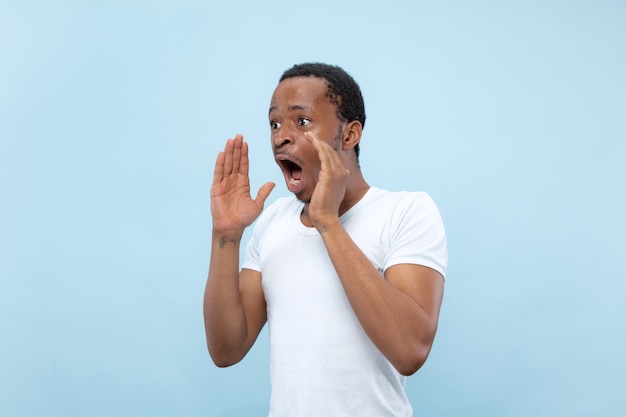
[322, 363]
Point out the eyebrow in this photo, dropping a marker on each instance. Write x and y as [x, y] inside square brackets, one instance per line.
[293, 107]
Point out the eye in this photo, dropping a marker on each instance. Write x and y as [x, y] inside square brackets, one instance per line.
[303, 121]
[274, 125]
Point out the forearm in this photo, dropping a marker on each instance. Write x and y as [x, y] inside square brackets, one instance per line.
[224, 314]
[396, 323]
[234, 306]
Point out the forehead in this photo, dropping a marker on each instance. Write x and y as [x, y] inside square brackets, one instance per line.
[300, 91]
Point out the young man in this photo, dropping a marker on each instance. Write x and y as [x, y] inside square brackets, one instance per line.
[349, 277]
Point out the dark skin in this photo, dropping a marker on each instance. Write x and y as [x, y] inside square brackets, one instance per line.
[399, 312]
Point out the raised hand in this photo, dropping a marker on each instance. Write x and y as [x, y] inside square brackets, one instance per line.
[332, 183]
[232, 206]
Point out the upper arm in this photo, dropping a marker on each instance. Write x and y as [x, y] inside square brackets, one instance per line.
[423, 285]
[253, 299]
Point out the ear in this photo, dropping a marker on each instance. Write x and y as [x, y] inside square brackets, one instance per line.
[351, 135]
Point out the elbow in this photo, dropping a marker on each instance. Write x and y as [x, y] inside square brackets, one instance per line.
[409, 367]
[223, 357]
[222, 363]
[412, 361]
[224, 360]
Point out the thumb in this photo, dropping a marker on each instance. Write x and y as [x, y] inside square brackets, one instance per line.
[264, 192]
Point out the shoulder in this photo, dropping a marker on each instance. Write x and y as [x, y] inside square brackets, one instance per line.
[410, 213]
[415, 232]
[401, 201]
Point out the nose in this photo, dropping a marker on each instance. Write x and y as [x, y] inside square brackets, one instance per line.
[282, 137]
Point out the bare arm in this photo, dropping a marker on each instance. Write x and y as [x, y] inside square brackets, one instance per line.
[234, 306]
[399, 312]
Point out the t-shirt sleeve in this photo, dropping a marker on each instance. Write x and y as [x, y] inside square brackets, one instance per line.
[417, 235]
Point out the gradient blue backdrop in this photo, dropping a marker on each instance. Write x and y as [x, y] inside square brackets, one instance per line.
[512, 115]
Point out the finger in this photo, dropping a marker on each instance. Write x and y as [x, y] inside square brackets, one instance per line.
[228, 157]
[331, 163]
[237, 143]
[244, 164]
[312, 137]
[318, 145]
[218, 171]
[329, 158]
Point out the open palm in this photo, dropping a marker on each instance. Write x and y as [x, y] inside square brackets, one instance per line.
[232, 205]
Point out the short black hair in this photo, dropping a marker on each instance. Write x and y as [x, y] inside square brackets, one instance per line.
[343, 91]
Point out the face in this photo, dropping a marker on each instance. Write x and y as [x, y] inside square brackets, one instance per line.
[299, 105]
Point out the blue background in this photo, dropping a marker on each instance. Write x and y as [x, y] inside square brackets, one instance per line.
[512, 115]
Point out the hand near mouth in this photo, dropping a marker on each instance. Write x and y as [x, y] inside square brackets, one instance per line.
[232, 206]
[331, 186]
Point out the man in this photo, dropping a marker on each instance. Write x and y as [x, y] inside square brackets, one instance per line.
[349, 277]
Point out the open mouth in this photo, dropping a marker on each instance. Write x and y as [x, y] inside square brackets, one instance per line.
[292, 173]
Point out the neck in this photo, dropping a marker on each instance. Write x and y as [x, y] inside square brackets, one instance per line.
[354, 193]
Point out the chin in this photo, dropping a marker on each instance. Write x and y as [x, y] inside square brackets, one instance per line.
[303, 198]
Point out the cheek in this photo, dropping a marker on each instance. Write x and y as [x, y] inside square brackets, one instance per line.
[314, 172]
[312, 158]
